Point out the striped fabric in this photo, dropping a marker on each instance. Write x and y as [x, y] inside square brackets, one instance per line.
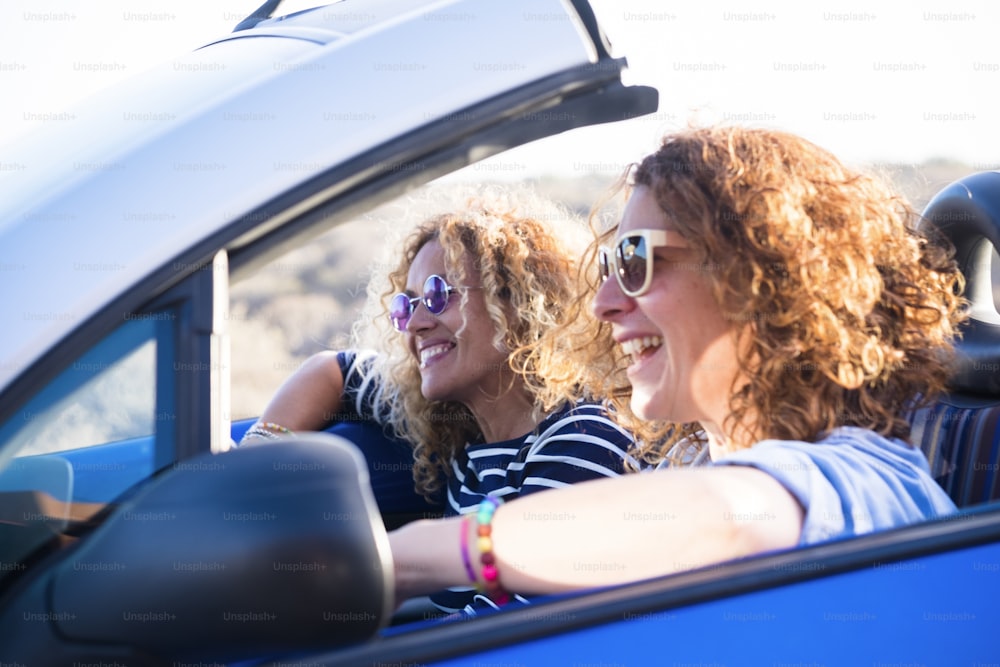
[961, 438]
[572, 445]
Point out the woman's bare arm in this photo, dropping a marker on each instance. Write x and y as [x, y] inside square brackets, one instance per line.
[308, 399]
[609, 531]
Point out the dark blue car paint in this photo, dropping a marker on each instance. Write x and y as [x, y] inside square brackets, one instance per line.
[924, 611]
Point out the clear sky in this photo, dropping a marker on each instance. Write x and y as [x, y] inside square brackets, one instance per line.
[876, 81]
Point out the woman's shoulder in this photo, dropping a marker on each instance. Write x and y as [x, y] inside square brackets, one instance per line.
[362, 358]
[582, 417]
[850, 481]
[575, 412]
[848, 442]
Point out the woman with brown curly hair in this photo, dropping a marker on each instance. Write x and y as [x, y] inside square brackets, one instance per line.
[455, 375]
[770, 304]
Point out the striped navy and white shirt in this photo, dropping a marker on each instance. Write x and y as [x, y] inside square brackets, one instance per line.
[574, 444]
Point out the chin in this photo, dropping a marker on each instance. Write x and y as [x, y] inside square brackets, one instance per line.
[656, 403]
[433, 392]
[429, 392]
[643, 406]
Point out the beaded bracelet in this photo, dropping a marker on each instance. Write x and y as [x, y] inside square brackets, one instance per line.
[484, 517]
[278, 428]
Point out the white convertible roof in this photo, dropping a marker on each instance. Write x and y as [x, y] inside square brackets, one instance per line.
[118, 188]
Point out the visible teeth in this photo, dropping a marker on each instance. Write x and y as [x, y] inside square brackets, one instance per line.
[433, 351]
[636, 346]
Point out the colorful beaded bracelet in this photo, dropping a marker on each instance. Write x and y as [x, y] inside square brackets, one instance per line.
[484, 517]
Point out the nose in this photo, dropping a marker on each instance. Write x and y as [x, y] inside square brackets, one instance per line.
[421, 319]
[610, 303]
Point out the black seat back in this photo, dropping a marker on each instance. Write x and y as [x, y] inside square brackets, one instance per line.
[960, 434]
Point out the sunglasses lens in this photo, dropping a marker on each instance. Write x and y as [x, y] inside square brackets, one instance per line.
[435, 299]
[436, 294]
[603, 264]
[399, 311]
[632, 262]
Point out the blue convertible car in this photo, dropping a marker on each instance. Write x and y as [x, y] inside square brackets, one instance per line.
[132, 533]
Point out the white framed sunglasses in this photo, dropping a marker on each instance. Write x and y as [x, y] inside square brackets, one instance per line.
[631, 260]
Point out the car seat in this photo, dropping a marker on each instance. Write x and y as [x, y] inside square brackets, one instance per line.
[960, 433]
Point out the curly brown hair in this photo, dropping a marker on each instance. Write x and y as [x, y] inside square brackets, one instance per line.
[846, 314]
[526, 250]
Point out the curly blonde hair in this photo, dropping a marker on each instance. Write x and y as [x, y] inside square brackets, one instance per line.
[526, 251]
[846, 314]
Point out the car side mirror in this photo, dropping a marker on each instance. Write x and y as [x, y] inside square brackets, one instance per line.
[260, 551]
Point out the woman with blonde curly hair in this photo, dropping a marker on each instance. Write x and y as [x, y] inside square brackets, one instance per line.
[455, 376]
[772, 304]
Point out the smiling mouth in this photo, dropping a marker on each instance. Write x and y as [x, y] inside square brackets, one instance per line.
[638, 348]
[430, 353]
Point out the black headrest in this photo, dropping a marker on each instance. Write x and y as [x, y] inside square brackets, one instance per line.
[968, 213]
